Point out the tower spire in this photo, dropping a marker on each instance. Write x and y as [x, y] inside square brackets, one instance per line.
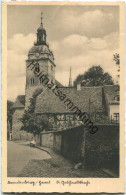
[70, 79]
[41, 19]
[41, 34]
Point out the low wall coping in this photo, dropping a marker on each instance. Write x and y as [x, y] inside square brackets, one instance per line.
[63, 130]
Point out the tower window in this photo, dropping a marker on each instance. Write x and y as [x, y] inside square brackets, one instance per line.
[32, 81]
[40, 79]
[51, 68]
[44, 38]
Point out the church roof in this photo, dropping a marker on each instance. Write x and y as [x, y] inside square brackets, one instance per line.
[20, 102]
[41, 28]
[48, 102]
[58, 83]
[40, 49]
[111, 91]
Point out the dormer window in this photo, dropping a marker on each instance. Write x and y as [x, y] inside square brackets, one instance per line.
[117, 98]
[32, 81]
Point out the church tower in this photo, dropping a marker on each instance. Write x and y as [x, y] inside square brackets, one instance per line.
[42, 57]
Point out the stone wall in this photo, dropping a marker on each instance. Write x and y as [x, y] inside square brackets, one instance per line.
[37, 139]
[57, 146]
[102, 148]
[94, 150]
[69, 143]
[47, 140]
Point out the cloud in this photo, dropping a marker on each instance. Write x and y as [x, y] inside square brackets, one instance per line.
[95, 23]
[76, 44]
[16, 86]
[81, 53]
[18, 47]
[75, 50]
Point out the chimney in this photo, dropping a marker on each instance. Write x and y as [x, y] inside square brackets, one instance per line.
[78, 86]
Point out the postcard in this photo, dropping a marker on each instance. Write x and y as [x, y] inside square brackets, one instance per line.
[63, 97]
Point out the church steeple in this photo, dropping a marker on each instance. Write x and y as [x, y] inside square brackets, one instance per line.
[41, 19]
[40, 59]
[70, 79]
[41, 34]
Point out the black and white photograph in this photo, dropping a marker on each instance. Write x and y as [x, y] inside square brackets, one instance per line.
[64, 65]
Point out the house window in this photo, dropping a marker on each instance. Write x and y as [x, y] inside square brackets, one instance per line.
[117, 98]
[116, 117]
[32, 81]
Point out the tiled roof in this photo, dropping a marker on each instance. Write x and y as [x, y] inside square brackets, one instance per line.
[58, 83]
[111, 91]
[20, 102]
[48, 102]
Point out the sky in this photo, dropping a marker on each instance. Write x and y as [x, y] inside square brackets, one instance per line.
[79, 36]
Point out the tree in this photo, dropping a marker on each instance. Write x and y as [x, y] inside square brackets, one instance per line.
[9, 112]
[9, 117]
[29, 119]
[116, 58]
[95, 76]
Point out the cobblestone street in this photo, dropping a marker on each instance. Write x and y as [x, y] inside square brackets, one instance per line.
[24, 161]
[19, 154]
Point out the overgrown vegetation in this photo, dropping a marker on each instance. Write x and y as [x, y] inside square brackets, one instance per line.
[29, 119]
[9, 112]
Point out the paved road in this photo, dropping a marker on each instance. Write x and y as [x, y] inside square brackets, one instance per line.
[25, 161]
[18, 156]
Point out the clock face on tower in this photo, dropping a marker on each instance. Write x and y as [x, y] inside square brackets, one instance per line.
[37, 55]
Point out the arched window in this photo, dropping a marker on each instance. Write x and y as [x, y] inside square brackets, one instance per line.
[40, 79]
[32, 81]
[37, 69]
[117, 98]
